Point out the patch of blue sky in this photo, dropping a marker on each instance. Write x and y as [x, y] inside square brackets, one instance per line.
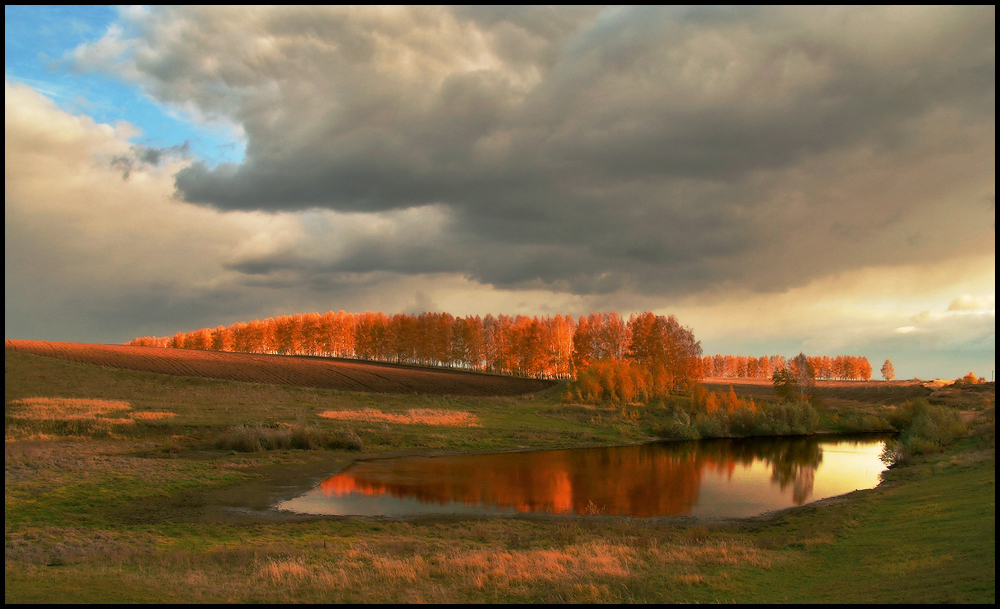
[37, 40]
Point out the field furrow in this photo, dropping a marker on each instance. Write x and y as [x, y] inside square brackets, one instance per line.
[301, 371]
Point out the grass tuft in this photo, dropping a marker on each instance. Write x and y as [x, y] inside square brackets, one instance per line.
[259, 437]
[413, 416]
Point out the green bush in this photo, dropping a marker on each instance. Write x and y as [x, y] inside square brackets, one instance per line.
[766, 419]
[866, 422]
[925, 429]
[679, 428]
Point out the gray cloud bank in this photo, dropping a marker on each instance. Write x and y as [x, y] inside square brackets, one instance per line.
[662, 151]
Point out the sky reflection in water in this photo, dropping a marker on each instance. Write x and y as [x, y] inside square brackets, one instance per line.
[726, 478]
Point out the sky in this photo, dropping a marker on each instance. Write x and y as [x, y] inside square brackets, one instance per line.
[781, 179]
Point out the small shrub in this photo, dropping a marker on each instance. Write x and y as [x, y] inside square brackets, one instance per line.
[350, 440]
[928, 429]
[985, 427]
[866, 423]
[678, 428]
[747, 419]
[624, 382]
[712, 426]
[257, 437]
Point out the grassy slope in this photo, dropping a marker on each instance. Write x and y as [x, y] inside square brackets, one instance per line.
[122, 518]
[927, 537]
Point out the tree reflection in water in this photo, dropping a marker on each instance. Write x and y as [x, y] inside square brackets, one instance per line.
[739, 476]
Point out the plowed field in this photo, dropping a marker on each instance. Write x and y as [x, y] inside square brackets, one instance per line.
[871, 392]
[302, 371]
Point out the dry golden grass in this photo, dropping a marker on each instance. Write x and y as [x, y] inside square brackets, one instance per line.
[152, 416]
[510, 568]
[481, 569]
[721, 553]
[278, 571]
[591, 570]
[80, 409]
[66, 409]
[413, 416]
[689, 580]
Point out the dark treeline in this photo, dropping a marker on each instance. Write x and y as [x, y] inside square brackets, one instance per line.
[545, 347]
[841, 367]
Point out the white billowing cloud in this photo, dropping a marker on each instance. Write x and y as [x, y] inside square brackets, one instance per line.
[83, 245]
[92, 256]
[968, 302]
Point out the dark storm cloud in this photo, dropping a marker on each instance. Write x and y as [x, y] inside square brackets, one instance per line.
[660, 150]
[366, 257]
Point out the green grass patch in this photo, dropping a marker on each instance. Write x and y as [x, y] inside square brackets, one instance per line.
[135, 514]
[927, 538]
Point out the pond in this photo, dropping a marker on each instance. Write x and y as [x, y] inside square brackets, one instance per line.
[715, 478]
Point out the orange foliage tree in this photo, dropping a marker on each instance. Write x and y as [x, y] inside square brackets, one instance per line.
[551, 347]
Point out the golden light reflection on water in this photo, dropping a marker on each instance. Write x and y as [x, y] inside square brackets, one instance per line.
[707, 478]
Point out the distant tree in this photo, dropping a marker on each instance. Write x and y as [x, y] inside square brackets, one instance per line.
[661, 342]
[221, 339]
[583, 350]
[731, 401]
[199, 339]
[797, 381]
[313, 335]
[784, 383]
[888, 372]
[404, 339]
[339, 328]
[969, 379]
[529, 352]
[764, 367]
[177, 342]
[719, 365]
[864, 369]
[467, 342]
[804, 371]
[712, 403]
[561, 332]
[611, 335]
[497, 336]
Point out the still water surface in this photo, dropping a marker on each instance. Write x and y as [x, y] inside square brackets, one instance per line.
[722, 478]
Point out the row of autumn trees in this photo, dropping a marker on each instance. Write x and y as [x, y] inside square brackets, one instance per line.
[841, 367]
[548, 347]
